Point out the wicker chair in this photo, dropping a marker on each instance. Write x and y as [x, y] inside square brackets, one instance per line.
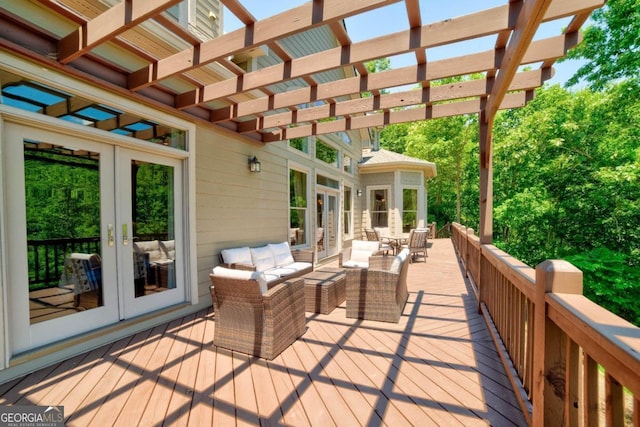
[380, 291]
[373, 235]
[417, 243]
[252, 322]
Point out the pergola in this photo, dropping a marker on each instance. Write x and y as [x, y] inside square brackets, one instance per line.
[116, 48]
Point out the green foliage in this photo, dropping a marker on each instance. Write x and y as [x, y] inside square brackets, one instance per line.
[610, 281]
[394, 137]
[611, 45]
[566, 183]
[63, 197]
[449, 143]
[326, 153]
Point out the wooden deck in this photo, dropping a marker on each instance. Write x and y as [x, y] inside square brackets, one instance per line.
[438, 366]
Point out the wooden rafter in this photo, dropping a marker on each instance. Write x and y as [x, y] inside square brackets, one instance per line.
[203, 83]
[474, 88]
[487, 22]
[514, 100]
[530, 16]
[108, 25]
[309, 15]
[542, 50]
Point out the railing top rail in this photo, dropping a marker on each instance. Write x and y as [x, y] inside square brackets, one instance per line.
[610, 340]
[520, 274]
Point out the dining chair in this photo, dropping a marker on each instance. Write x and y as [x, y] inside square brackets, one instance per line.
[417, 243]
[373, 235]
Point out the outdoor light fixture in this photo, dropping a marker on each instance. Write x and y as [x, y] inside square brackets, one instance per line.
[254, 164]
[359, 193]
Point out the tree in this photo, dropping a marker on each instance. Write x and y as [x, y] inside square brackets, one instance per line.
[394, 137]
[611, 45]
[447, 142]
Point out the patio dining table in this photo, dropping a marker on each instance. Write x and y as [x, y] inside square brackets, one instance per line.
[396, 241]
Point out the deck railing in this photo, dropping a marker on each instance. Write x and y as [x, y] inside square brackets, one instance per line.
[571, 361]
[46, 257]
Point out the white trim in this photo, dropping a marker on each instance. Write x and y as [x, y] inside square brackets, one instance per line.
[292, 165]
[5, 355]
[348, 236]
[368, 189]
[58, 80]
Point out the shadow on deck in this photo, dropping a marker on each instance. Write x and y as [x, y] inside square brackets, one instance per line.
[438, 366]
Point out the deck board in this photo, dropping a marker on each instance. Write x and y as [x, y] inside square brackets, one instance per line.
[437, 366]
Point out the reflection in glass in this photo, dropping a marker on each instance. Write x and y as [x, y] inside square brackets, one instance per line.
[297, 207]
[379, 212]
[62, 203]
[152, 206]
[409, 208]
[347, 211]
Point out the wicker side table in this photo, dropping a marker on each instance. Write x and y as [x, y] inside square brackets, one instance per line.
[324, 290]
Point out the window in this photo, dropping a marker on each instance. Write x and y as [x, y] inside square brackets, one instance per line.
[379, 210]
[347, 164]
[297, 207]
[299, 144]
[409, 208]
[348, 216]
[326, 153]
[327, 182]
[39, 98]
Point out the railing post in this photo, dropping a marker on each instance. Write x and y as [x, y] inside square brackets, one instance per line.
[467, 255]
[549, 346]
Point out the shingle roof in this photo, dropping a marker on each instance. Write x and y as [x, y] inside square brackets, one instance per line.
[381, 160]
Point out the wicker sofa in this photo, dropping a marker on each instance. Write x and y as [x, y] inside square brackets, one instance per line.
[378, 292]
[157, 257]
[253, 319]
[277, 261]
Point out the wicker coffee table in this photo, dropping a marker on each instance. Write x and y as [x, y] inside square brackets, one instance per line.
[324, 290]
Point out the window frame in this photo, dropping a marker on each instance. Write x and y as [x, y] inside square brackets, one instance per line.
[306, 210]
[370, 195]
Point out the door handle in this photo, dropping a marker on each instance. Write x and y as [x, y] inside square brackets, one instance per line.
[125, 234]
[110, 239]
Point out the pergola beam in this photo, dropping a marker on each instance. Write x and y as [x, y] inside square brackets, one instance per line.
[108, 25]
[307, 16]
[478, 24]
[469, 89]
[529, 19]
[473, 106]
[542, 50]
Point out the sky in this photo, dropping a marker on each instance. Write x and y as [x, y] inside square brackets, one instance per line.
[391, 19]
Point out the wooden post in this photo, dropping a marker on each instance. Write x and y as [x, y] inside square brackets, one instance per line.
[549, 344]
[468, 255]
[485, 232]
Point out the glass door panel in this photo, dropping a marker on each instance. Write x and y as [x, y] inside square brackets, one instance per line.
[333, 214]
[327, 218]
[150, 233]
[61, 274]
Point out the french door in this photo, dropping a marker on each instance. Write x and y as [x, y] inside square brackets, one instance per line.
[327, 219]
[95, 234]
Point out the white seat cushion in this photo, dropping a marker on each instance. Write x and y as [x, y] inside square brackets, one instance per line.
[286, 270]
[237, 256]
[361, 250]
[270, 278]
[262, 258]
[232, 273]
[151, 247]
[281, 253]
[299, 265]
[357, 264]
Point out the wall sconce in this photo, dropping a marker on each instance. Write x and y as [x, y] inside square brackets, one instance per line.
[254, 164]
[359, 193]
